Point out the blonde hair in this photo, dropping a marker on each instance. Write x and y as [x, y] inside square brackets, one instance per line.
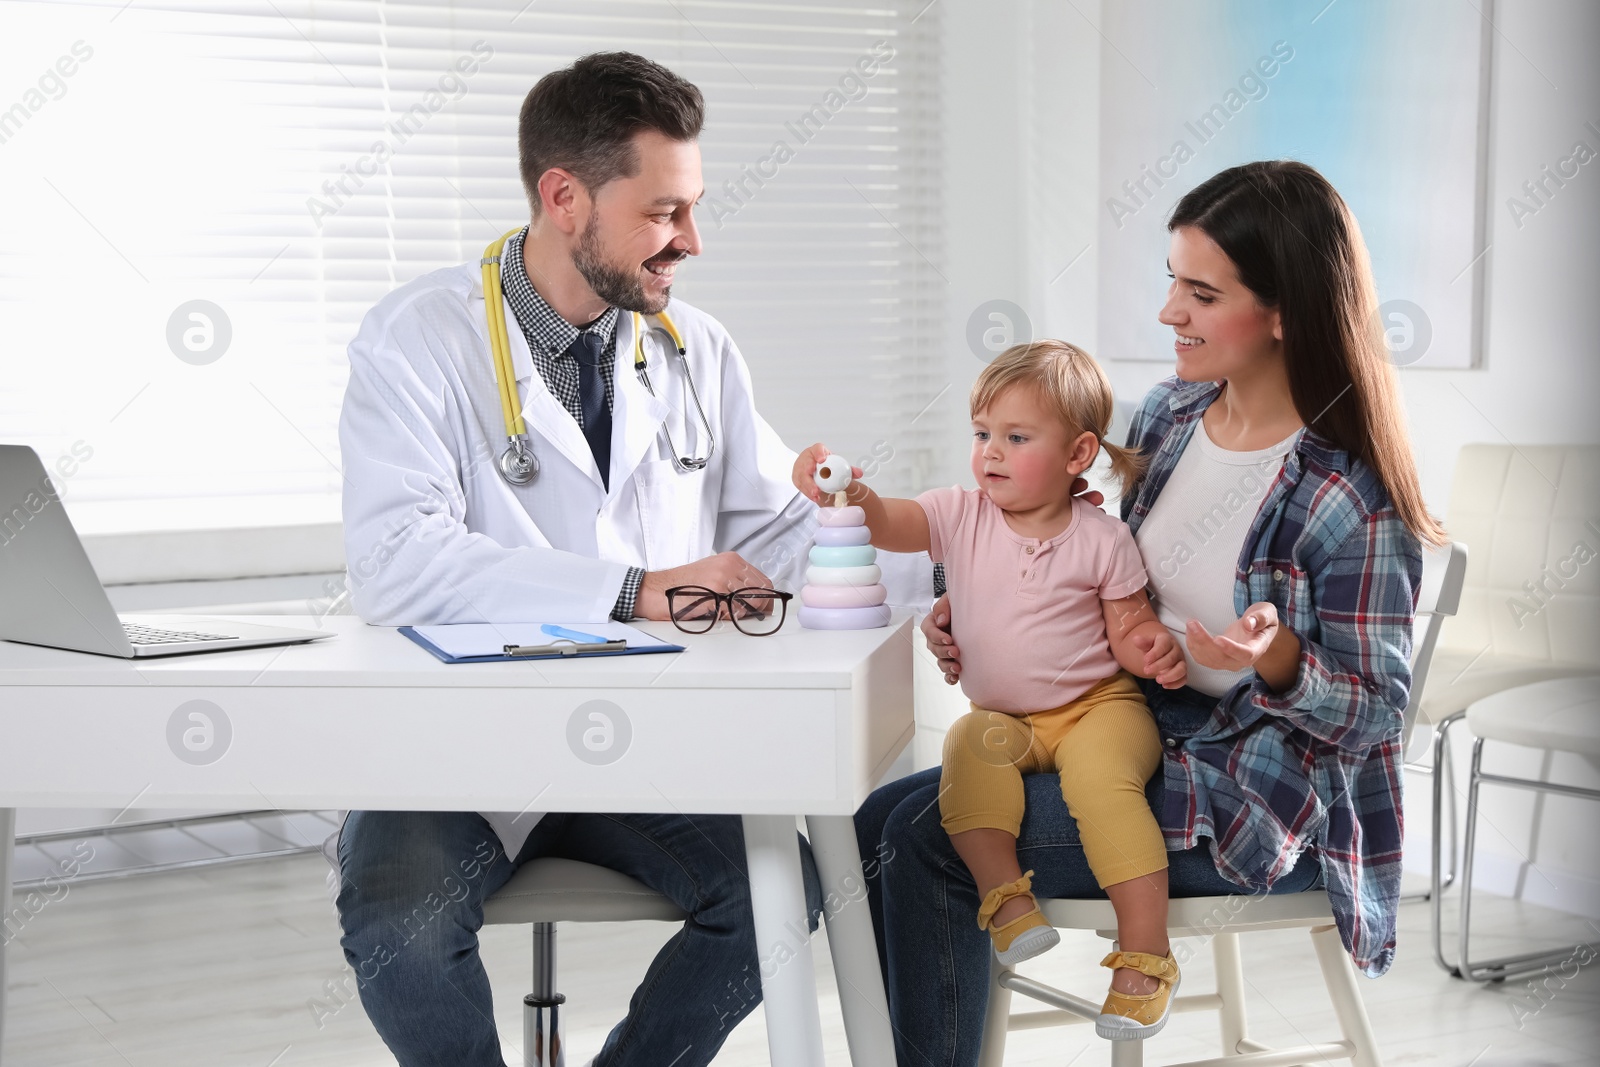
[1072, 386]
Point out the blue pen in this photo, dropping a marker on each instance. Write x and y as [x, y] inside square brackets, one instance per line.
[572, 635]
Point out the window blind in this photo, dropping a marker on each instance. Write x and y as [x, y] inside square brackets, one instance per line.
[203, 200]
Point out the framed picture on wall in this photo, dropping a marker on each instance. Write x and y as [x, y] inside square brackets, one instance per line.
[1388, 101]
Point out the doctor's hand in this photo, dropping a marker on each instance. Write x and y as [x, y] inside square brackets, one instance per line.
[805, 474]
[721, 573]
[936, 630]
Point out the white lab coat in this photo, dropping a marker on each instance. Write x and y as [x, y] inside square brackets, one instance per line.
[433, 534]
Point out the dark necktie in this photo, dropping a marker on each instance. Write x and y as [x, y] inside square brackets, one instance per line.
[592, 398]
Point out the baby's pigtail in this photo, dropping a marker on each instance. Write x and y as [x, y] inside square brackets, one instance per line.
[1127, 464]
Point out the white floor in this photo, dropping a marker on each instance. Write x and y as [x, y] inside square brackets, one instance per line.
[227, 967]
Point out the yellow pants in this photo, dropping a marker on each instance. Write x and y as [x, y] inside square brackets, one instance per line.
[1105, 746]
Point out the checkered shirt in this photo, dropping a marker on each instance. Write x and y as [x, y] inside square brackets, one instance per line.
[549, 336]
[1317, 765]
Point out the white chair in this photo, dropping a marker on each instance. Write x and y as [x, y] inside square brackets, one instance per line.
[1223, 919]
[1528, 612]
[1562, 715]
[543, 892]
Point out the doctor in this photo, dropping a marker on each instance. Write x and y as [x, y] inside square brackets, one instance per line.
[639, 487]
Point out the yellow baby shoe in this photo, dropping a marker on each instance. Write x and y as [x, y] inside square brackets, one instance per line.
[1024, 937]
[1134, 1017]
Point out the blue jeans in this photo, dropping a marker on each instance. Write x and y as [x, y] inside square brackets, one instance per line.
[925, 906]
[411, 904]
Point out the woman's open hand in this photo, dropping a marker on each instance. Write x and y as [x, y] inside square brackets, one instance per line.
[1240, 645]
[936, 630]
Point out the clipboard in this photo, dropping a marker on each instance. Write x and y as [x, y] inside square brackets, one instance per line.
[510, 642]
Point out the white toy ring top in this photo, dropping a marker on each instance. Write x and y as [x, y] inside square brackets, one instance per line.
[833, 474]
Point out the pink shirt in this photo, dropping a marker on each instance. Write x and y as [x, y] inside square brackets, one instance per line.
[1026, 613]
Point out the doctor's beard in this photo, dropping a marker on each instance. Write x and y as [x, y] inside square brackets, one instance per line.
[617, 286]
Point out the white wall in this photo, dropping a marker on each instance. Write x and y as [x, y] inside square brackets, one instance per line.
[1538, 386]
[1541, 377]
[1021, 137]
[984, 194]
[1021, 146]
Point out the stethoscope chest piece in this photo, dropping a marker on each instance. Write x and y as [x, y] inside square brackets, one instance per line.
[518, 464]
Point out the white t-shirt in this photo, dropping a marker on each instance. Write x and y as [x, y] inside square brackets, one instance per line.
[1194, 533]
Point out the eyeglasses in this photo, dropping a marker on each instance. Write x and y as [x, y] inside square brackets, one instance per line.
[753, 610]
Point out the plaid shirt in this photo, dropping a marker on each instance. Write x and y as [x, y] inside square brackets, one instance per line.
[1317, 766]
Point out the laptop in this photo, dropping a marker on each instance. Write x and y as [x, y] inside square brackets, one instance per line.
[50, 594]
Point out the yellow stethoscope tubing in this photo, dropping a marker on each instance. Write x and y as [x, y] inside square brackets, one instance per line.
[638, 337]
[500, 338]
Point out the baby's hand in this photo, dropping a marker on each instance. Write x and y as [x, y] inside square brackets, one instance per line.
[805, 472]
[1163, 658]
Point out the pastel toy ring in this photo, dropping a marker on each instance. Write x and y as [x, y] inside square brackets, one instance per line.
[845, 516]
[843, 596]
[849, 556]
[843, 536]
[844, 618]
[856, 576]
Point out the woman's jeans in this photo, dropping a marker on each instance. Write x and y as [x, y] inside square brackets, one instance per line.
[925, 906]
[411, 903]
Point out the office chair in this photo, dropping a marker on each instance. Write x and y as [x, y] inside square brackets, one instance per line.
[543, 892]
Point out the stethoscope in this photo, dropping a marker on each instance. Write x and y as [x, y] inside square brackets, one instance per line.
[518, 464]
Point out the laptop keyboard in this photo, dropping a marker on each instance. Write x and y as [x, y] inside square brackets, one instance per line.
[149, 635]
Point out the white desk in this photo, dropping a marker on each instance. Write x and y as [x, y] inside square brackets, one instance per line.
[799, 723]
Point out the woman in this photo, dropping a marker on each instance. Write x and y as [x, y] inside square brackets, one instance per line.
[1282, 524]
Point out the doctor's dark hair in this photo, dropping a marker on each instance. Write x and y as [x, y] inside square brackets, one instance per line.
[1297, 247]
[583, 118]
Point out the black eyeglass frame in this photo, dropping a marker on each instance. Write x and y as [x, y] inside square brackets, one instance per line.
[725, 601]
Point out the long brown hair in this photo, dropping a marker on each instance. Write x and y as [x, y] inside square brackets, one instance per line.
[1298, 249]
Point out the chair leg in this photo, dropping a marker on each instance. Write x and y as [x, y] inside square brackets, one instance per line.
[996, 1019]
[1450, 796]
[1127, 1053]
[1340, 975]
[1443, 766]
[542, 1044]
[1230, 987]
[1469, 848]
[1500, 968]
[1435, 770]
